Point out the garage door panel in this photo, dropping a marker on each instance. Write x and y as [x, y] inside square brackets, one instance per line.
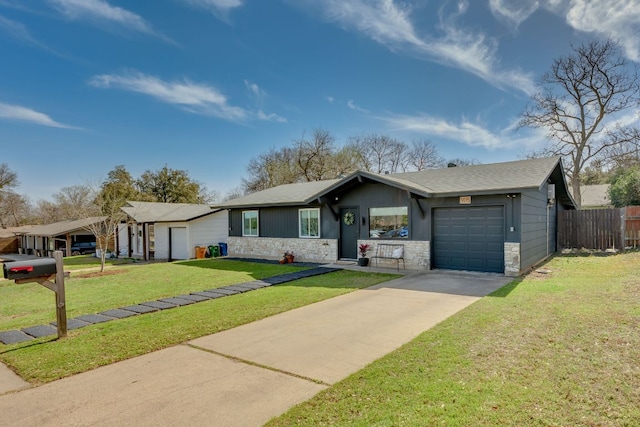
[469, 238]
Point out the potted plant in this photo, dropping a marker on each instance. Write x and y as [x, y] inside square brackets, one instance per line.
[288, 257]
[363, 249]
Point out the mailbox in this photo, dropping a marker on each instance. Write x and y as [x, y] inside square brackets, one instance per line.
[41, 267]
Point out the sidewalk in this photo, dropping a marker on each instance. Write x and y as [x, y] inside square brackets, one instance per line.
[247, 375]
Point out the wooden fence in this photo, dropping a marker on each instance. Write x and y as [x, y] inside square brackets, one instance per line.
[599, 229]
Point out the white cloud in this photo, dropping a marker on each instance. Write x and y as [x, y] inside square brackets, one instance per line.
[255, 91]
[330, 99]
[17, 30]
[101, 11]
[193, 97]
[23, 114]
[513, 11]
[355, 107]
[220, 8]
[389, 23]
[270, 117]
[618, 19]
[466, 132]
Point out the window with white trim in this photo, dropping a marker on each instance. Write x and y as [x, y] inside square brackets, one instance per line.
[249, 223]
[309, 222]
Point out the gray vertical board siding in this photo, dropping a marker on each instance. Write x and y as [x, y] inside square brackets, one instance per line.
[235, 222]
[533, 247]
[280, 221]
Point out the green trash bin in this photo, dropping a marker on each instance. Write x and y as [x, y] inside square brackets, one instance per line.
[214, 251]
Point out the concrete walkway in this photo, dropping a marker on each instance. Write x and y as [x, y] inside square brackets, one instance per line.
[247, 375]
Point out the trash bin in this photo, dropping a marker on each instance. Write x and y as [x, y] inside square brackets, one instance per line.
[200, 252]
[223, 248]
[214, 251]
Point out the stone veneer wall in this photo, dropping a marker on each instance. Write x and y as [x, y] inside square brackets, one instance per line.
[417, 254]
[311, 250]
[511, 259]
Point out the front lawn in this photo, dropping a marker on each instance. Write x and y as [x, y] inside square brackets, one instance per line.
[30, 304]
[47, 359]
[556, 349]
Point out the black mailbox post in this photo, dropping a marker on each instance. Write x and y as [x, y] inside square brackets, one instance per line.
[43, 271]
[42, 267]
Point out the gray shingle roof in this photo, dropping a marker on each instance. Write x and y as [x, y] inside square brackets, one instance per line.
[63, 227]
[463, 180]
[165, 212]
[489, 178]
[595, 195]
[287, 194]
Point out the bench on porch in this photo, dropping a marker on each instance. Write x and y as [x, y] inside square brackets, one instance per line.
[392, 251]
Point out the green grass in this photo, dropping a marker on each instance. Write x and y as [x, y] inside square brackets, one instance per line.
[31, 304]
[72, 263]
[561, 349]
[47, 359]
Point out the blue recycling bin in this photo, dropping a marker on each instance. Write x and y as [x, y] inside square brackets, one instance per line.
[223, 248]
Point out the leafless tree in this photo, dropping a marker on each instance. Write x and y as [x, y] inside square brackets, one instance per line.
[313, 155]
[424, 155]
[380, 153]
[578, 103]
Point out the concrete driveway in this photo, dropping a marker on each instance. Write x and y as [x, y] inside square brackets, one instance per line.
[247, 375]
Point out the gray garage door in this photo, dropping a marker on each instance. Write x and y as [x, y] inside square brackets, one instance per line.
[469, 238]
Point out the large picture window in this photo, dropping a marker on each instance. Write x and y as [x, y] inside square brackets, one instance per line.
[250, 223]
[387, 223]
[309, 222]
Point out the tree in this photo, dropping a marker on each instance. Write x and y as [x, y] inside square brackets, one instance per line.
[313, 156]
[8, 178]
[172, 186]
[14, 209]
[270, 169]
[424, 155]
[578, 102]
[73, 202]
[380, 153]
[11, 204]
[106, 202]
[625, 189]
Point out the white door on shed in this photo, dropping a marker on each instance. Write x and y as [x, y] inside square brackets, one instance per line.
[178, 238]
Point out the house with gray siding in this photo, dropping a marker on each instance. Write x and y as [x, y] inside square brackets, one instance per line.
[497, 218]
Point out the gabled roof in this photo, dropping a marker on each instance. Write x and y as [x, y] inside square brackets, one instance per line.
[63, 227]
[165, 212]
[15, 231]
[288, 194]
[595, 195]
[493, 178]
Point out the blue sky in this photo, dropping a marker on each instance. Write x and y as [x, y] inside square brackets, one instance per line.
[205, 85]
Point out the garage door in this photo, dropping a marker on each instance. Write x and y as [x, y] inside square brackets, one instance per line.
[179, 249]
[469, 238]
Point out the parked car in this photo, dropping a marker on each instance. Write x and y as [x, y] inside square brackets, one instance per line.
[82, 248]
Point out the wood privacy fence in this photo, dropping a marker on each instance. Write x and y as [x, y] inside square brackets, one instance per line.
[601, 229]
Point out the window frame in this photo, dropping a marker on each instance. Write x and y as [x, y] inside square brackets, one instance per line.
[382, 237]
[244, 233]
[300, 235]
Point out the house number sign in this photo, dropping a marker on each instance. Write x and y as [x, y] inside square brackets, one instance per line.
[465, 200]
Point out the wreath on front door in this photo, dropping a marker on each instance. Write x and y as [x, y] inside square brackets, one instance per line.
[349, 218]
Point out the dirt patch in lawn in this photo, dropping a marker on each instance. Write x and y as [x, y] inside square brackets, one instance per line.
[98, 274]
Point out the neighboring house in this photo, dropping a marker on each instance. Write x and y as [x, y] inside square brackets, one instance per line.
[595, 196]
[495, 218]
[8, 242]
[10, 238]
[43, 239]
[170, 230]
